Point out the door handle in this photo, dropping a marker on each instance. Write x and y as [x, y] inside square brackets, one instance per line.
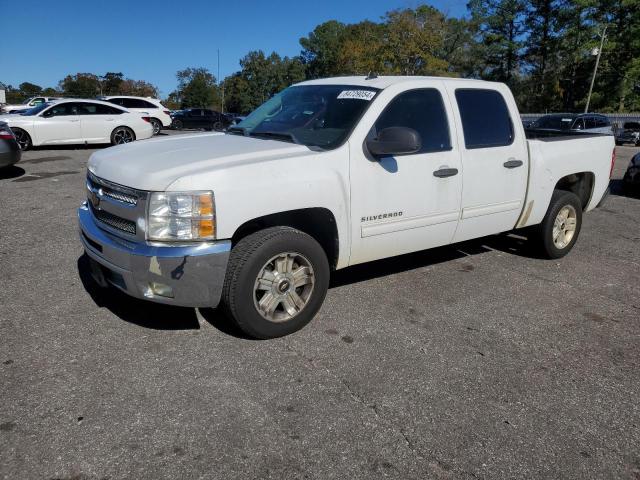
[445, 172]
[512, 163]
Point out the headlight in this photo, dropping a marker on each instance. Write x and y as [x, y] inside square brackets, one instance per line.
[181, 216]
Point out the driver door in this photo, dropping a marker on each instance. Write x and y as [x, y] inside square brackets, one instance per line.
[59, 124]
[402, 204]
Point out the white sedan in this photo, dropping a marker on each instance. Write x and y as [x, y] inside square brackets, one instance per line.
[74, 121]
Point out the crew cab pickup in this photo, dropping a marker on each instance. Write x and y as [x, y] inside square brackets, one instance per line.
[327, 174]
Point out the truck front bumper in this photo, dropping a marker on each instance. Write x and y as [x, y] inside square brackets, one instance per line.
[185, 275]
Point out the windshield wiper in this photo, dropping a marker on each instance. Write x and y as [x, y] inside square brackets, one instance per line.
[284, 136]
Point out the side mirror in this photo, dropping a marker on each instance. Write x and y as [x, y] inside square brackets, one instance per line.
[395, 141]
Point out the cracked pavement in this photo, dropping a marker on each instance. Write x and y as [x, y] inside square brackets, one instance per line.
[476, 360]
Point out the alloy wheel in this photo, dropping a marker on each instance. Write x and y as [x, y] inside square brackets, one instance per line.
[564, 226]
[122, 135]
[283, 287]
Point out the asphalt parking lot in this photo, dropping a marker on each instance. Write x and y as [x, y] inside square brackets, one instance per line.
[471, 361]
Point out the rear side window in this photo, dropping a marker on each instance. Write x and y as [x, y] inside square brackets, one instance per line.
[97, 109]
[423, 110]
[485, 118]
[136, 103]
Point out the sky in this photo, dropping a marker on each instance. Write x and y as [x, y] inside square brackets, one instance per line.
[43, 41]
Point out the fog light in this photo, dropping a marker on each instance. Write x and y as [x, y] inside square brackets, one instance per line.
[159, 289]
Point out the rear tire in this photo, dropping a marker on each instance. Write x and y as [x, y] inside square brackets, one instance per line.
[559, 230]
[122, 135]
[157, 125]
[276, 282]
[23, 139]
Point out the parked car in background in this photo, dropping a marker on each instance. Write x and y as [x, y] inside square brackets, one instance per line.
[9, 149]
[74, 121]
[578, 122]
[159, 114]
[631, 179]
[200, 118]
[326, 174]
[629, 133]
[234, 118]
[26, 105]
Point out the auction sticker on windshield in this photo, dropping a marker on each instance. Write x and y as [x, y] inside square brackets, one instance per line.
[357, 94]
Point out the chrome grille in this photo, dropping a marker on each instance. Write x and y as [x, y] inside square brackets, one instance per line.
[114, 221]
[110, 190]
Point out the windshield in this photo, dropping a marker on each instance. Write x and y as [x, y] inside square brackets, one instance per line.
[554, 122]
[312, 115]
[36, 110]
[26, 102]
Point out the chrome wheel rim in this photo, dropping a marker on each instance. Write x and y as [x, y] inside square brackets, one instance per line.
[156, 127]
[22, 138]
[122, 135]
[283, 287]
[564, 227]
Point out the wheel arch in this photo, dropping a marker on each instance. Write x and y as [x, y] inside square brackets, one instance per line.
[581, 184]
[318, 222]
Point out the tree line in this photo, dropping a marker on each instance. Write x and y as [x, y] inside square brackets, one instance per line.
[83, 85]
[543, 49]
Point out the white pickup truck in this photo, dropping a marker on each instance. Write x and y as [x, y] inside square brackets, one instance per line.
[327, 174]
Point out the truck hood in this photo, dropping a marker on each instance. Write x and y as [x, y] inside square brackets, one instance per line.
[155, 164]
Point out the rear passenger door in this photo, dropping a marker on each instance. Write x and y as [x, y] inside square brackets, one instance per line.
[494, 161]
[97, 121]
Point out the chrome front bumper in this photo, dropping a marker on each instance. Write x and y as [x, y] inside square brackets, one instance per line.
[194, 274]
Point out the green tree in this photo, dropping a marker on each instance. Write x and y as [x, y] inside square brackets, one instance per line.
[85, 85]
[111, 83]
[30, 89]
[260, 78]
[499, 40]
[320, 49]
[196, 88]
[413, 42]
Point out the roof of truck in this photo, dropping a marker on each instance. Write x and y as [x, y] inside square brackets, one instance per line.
[378, 82]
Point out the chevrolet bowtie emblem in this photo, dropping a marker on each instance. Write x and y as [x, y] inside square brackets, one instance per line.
[95, 199]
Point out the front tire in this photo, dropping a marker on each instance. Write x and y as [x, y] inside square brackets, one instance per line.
[559, 230]
[276, 282]
[177, 125]
[23, 139]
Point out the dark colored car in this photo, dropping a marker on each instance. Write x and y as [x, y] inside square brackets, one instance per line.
[631, 179]
[630, 133]
[573, 122]
[200, 118]
[10, 152]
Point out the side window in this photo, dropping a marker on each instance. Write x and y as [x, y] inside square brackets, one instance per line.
[578, 124]
[485, 118]
[61, 110]
[116, 101]
[602, 122]
[146, 104]
[423, 110]
[590, 122]
[87, 109]
[37, 101]
[107, 110]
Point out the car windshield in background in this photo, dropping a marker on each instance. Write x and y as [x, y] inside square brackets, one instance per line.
[554, 122]
[36, 110]
[312, 115]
